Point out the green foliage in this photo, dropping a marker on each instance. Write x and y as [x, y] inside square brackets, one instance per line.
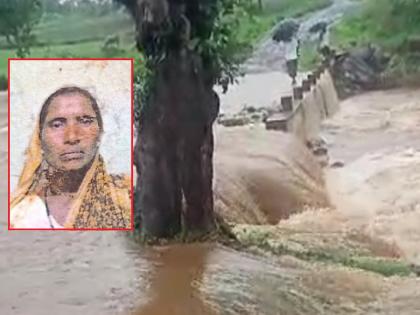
[267, 240]
[74, 28]
[143, 80]
[94, 7]
[385, 267]
[388, 22]
[50, 5]
[77, 27]
[17, 20]
[224, 48]
[410, 9]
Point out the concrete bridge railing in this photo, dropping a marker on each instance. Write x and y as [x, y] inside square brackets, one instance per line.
[311, 103]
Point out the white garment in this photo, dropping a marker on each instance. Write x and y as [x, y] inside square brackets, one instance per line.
[291, 48]
[31, 212]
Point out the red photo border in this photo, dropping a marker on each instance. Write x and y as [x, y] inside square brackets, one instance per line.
[131, 149]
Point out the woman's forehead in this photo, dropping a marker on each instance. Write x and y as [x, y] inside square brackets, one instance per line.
[70, 105]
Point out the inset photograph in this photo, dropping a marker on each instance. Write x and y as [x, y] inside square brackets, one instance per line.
[70, 144]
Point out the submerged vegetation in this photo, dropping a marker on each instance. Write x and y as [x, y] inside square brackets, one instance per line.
[316, 248]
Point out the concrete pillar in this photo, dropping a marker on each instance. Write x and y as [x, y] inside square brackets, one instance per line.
[312, 79]
[297, 93]
[306, 86]
[276, 123]
[287, 103]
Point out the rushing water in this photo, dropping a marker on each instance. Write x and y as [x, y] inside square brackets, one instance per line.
[106, 273]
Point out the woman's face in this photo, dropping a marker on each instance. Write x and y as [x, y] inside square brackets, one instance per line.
[70, 133]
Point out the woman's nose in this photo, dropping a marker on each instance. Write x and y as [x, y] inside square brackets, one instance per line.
[72, 134]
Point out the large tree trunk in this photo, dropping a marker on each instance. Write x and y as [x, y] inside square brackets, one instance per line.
[174, 149]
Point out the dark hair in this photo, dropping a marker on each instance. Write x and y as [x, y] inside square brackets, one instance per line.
[66, 91]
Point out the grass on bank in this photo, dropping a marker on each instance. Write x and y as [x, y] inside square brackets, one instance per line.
[390, 24]
[73, 28]
[378, 22]
[311, 250]
[80, 27]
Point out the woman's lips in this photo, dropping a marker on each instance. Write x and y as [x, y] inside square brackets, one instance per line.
[74, 155]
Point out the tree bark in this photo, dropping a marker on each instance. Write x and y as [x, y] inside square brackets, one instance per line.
[174, 146]
[174, 149]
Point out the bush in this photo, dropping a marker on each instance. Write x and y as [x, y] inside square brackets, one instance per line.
[390, 24]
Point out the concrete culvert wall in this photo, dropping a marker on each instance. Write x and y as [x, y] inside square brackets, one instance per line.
[263, 177]
[318, 103]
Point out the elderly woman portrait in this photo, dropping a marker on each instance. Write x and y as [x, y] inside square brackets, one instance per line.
[64, 182]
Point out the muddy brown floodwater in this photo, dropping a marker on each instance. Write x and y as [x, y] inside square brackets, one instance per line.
[106, 273]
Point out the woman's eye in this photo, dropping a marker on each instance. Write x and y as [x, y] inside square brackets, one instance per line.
[86, 120]
[56, 124]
